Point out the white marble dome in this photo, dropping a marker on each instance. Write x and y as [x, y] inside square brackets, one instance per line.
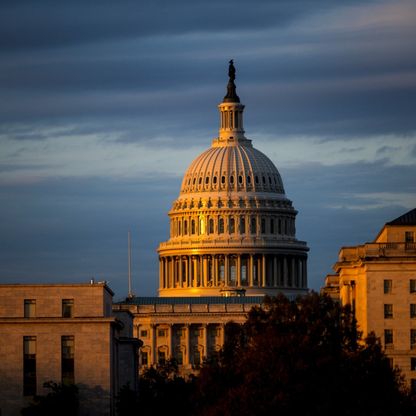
[237, 167]
[232, 228]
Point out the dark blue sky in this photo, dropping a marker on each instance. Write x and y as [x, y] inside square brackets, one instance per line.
[104, 104]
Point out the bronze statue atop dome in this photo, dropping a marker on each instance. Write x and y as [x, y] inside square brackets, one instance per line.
[231, 96]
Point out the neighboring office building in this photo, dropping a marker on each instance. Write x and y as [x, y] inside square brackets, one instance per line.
[378, 280]
[64, 333]
[232, 241]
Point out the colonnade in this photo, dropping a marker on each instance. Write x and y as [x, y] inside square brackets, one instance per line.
[232, 224]
[239, 270]
[188, 344]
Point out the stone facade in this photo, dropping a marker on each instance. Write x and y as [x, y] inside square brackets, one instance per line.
[379, 280]
[64, 332]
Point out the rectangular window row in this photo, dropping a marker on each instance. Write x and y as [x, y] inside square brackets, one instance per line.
[389, 339]
[388, 310]
[30, 361]
[29, 308]
[388, 286]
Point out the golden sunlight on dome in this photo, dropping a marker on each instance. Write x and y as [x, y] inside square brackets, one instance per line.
[232, 229]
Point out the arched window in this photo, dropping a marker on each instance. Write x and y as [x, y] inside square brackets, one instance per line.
[270, 180]
[210, 226]
[264, 180]
[214, 179]
[242, 225]
[194, 181]
[192, 226]
[222, 179]
[249, 179]
[221, 226]
[200, 181]
[206, 180]
[231, 179]
[240, 179]
[256, 179]
[263, 226]
[253, 226]
[232, 226]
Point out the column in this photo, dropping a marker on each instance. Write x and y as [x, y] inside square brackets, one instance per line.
[170, 341]
[172, 271]
[205, 339]
[250, 271]
[275, 279]
[187, 344]
[160, 272]
[285, 276]
[239, 270]
[204, 271]
[181, 276]
[263, 270]
[222, 335]
[190, 272]
[215, 260]
[292, 271]
[226, 271]
[153, 358]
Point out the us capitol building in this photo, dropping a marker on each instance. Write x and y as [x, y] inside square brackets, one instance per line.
[232, 241]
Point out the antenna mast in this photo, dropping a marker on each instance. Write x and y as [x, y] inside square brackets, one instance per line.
[130, 293]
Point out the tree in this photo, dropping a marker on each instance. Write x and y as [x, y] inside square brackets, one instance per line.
[162, 391]
[62, 400]
[299, 357]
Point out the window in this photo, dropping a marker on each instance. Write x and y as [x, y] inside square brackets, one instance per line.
[232, 226]
[161, 357]
[179, 357]
[207, 180]
[185, 227]
[413, 363]
[409, 236]
[67, 308]
[242, 225]
[143, 333]
[253, 226]
[413, 338]
[271, 226]
[222, 179]
[144, 357]
[231, 179]
[192, 226]
[29, 308]
[67, 359]
[412, 285]
[388, 311]
[214, 180]
[413, 386]
[211, 226]
[197, 357]
[221, 226]
[161, 333]
[388, 337]
[240, 179]
[248, 179]
[263, 226]
[413, 310]
[388, 286]
[29, 366]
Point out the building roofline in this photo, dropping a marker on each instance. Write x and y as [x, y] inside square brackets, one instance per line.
[90, 284]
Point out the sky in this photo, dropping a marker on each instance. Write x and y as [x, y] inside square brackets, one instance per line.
[104, 105]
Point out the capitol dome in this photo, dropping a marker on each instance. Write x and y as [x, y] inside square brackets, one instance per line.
[232, 228]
